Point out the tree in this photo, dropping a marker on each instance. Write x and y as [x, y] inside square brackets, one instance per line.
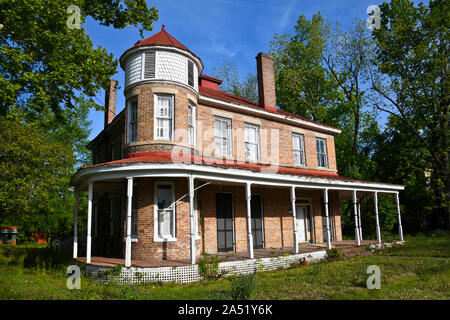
[412, 57]
[323, 73]
[44, 64]
[231, 82]
[35, 169]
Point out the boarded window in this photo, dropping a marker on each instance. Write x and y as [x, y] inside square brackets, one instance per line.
[149, 66]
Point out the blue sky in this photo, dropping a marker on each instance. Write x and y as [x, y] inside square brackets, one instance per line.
[217, 30]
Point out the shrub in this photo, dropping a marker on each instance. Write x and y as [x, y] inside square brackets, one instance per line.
[242, 287]
[208, 267]
[334, 254]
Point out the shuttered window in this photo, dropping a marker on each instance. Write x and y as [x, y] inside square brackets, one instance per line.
[190, 73]
[298, 146]
[149, 65]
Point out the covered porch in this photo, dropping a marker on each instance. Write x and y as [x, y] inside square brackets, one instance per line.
[197, 177]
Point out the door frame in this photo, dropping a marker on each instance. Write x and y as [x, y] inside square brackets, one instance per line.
[307, 202]
[232, 217]
[262, 218]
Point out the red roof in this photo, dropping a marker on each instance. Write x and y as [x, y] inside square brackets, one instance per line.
[232, 98]
[167, 157]
[162, 38]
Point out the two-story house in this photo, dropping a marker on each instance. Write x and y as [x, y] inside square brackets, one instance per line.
[186, 168]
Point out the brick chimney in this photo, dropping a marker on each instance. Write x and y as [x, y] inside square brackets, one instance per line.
[266, 81]
[110, 101]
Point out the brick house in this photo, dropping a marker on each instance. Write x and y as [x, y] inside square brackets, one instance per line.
[186, 168]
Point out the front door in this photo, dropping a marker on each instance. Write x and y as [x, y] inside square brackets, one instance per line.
[224, 215]
[257, 222]
[301, 212]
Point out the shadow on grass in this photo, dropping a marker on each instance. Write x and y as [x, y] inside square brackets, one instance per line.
[41, 258]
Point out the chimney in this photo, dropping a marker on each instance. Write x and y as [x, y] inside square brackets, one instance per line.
[110, 101]
[266, 81]
[209, 82]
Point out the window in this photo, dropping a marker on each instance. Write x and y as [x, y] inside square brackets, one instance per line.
[164, 211]
[163, 117]
[251, 136]
[149, 65]
[222, 137]
[134, 212]
[322, 160]
[191, 124]
[299, 149]
[190, 73]
[132, 121]
[113, 151]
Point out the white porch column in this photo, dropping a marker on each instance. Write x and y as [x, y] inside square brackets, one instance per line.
[89, 222]
[355, 210]
[377, 220]
[248, 194]
[129, 208]
[294, 219]
[192, 218]
[359, 220]
[75, 226]
[325, 200]
[400, 229]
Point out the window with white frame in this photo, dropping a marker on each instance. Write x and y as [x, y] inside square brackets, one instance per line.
[298, 145]
[191, 124]
[163, 117]
[321, 145]
[132, 120]
[164, 211]
[251, 137]
[222, 136]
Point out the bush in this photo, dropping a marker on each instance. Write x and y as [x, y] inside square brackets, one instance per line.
[242, 287]
[334, 254]
[208, 267]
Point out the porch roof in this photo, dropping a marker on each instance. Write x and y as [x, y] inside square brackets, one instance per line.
[221, 167]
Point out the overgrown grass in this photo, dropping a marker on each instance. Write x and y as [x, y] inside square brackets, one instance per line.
[419, 270]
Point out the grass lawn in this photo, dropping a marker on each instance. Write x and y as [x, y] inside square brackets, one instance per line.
[419, 270]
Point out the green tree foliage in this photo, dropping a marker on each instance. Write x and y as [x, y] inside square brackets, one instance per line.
[323, 73]
[231, 82]
[412, 57]
[44, 64]
[35, 169]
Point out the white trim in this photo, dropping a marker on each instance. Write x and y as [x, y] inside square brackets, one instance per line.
[257, 138]
[129, 102]
[156, 236]
[296, 121]
[233, 175]
[155, 117]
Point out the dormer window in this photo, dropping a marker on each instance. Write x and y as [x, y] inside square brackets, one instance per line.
[163, 117]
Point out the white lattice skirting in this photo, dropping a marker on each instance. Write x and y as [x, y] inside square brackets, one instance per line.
[187, 274]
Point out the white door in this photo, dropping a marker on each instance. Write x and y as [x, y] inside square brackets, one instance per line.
[301, 225]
